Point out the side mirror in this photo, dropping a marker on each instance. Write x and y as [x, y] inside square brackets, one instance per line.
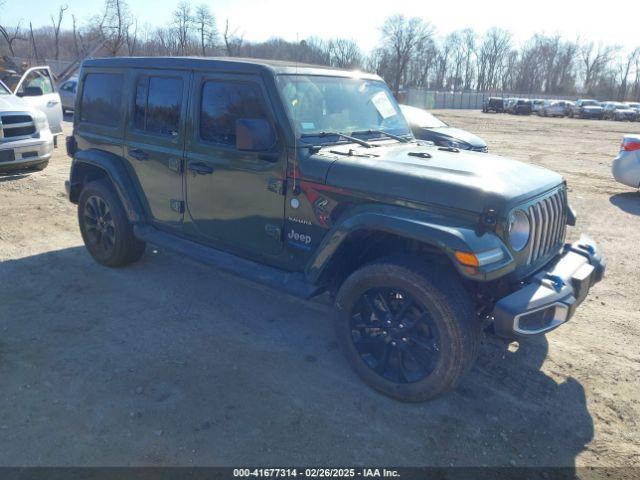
[31, 92]
[254, 135]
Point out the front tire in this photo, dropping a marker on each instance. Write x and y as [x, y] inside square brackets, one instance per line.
[408, 332]
[104, 226]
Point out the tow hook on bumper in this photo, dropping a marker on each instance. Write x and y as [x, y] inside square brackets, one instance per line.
[551, 296]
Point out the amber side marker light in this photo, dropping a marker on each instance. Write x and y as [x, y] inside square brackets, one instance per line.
[468, 259]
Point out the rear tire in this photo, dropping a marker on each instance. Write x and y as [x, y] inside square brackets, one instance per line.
[412, 353]
[104, 226]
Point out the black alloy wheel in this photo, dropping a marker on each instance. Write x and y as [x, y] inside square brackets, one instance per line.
[395, 335]
[99, 225]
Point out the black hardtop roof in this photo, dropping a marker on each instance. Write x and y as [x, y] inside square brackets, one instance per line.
[231, 64]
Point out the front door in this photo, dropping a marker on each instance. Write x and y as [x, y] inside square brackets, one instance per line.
[234, 197]
[154, 140]
[36, 88]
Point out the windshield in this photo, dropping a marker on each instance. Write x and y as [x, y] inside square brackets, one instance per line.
[421, 118]
[589, 103]
[4, 90]
[347, 105]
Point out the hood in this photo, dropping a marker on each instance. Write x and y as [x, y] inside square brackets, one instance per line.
[11, 103]
[465, 180]
[592, 107]
[455, 134]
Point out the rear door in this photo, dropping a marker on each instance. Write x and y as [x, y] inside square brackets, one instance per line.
[154, 140]
[36, 87]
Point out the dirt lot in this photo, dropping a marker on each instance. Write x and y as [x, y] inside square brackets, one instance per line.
[171, 363]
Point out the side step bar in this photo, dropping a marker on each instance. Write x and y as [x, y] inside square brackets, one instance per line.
[294, 284]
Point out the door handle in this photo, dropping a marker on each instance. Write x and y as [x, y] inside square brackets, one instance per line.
[138, 154]
[52, 103]
[200, 168]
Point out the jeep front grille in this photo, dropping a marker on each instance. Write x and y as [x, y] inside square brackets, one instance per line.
[16, 125]
[548, 219]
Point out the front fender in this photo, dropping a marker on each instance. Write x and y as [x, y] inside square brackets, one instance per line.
[113, 168]
[429, 228]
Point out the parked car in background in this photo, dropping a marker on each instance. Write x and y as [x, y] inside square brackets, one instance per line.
[586, 108]
[635, 106]
[36, 87]
[520, 106]
[608, 109]
[427, 127]
[556, 108]
[26, 142]
[626, 166]
[624, 113]
[68, 94]
[537, 104]
[493, 104]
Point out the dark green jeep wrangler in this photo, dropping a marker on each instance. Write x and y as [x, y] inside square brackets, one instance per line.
[308, 180]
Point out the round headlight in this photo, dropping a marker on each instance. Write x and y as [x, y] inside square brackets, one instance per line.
[519, 230]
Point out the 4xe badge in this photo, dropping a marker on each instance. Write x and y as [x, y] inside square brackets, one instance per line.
[299, 240]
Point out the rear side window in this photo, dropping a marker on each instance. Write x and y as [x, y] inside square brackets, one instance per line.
[101, 99]
[222, 104]
[158, 101]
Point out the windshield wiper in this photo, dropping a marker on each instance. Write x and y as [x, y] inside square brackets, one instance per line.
[338, 134]
[381, 132]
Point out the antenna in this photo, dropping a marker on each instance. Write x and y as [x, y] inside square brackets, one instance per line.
[295, 121]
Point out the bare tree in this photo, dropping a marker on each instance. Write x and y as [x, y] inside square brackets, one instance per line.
[469, 48]
[344, 53]
[494, 49]
[232, 41]
[595, 60]
[56, 28]
[114, 24]
[402, 37]
[625, 70]
[131, 38]
[33, 44]
[206, 26]
[11, 36]
[182, 22]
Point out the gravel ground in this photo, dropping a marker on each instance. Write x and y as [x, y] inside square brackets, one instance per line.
[169, 362]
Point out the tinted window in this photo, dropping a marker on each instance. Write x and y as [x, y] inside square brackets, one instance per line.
[101, 99]
[158, 101]
[224, 103]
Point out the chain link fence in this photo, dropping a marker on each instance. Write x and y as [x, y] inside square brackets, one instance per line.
[432, 99]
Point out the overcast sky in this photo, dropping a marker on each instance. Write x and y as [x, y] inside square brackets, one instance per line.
[613, 21]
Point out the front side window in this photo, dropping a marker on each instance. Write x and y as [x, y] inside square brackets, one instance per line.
[347, 105]
[222, 104]
[101, 99]
[69, 87]
[158, 103]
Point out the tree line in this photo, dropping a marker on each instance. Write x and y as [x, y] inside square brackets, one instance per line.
[409, 53]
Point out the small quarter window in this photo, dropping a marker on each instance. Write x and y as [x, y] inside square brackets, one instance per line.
[101, 99]
[222, 104]
[158, 101]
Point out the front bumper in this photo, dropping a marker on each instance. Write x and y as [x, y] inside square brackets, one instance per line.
[25, 152]
[550, 297]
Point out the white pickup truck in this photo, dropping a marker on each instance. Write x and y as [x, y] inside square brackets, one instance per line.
[30, 117]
